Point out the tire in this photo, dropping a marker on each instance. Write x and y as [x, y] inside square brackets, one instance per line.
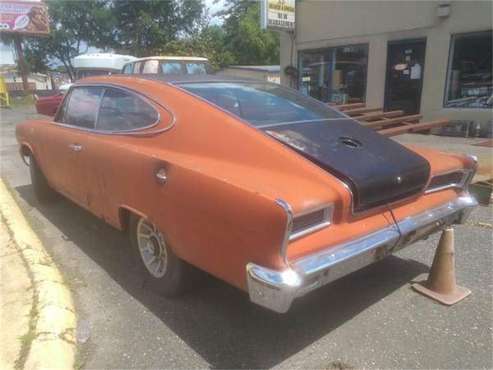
[42, 190]
[175, 277]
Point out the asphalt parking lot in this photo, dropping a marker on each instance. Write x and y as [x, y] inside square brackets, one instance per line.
[369, 319]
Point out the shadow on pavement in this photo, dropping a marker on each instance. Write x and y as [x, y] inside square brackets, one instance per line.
[216, 320]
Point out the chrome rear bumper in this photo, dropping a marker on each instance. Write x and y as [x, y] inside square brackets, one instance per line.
[276, 290]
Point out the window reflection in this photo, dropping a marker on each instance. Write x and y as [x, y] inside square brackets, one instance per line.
[335, 75]
[470, 72]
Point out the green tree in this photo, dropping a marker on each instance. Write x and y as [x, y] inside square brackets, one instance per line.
[144, 27]
[74, 26]
[244, 38]
[209, 43]
[139, 28]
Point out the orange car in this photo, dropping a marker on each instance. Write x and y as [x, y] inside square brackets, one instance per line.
[265, 188]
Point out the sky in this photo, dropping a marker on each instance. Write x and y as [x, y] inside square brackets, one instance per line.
[6, 54]
[214, 6]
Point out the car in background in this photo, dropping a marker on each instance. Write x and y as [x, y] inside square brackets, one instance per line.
[85, 65]
[259, 185]
[48, 104]
[169, 65]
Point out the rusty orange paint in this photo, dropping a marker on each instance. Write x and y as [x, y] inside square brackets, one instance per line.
[217, 208]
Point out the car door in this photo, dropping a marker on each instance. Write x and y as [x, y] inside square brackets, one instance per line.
[103, 157]
[63, 141]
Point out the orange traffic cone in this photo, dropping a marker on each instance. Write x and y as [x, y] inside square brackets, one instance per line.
[441, 285]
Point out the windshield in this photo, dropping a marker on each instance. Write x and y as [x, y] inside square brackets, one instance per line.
[262, 104]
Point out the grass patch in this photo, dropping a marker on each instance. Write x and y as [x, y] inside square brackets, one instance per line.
[21, 101]
[27, 338]
[338, 365]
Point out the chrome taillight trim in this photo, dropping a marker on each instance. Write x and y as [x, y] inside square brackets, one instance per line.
[460, 184]
[289, 225]
[289, 235]
[327, 220]
[467, 176]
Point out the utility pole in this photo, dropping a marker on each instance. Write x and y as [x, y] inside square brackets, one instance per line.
[21, 62]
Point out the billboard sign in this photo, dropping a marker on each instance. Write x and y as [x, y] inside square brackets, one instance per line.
[24, 17]
[278, 14]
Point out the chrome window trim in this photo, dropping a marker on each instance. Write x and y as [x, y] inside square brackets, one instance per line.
[327, 220]
[141, 131]
[302, 121]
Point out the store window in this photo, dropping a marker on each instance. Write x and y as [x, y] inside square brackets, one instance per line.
[469, 82]
[336, 75]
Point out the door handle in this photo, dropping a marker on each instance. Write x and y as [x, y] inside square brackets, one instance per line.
[75, 147]
[161, 176]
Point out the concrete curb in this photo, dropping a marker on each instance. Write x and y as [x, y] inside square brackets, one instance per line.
[53, 345]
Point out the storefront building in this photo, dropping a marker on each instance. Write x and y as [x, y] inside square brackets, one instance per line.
[418, 56]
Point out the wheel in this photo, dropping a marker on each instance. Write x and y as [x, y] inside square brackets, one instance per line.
[42, 190]
[164, 272]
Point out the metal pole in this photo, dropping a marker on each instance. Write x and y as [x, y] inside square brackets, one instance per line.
[21, 61]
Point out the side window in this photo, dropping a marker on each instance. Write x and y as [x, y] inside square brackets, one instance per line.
[171, 68]
[123, 111]
[128, 69]
[82, 106]
[151, 67]
[137, 67]
[195, 68]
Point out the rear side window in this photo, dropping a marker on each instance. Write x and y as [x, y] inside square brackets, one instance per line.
[124, 111]
[171, 68]
[151, 67]
[137, 67]
[128, 69]
[82, 106]
[196, 68]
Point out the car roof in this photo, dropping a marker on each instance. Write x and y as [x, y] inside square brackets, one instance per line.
[170, 79]
[177, 79]
[166, 79]
[170, 57]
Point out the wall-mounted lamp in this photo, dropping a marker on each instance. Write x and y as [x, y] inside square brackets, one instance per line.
[443, 9]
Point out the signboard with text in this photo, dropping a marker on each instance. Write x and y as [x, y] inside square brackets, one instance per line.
[24, 17]
[278, 14]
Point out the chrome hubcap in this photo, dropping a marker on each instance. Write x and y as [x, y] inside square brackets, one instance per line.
[152, 248]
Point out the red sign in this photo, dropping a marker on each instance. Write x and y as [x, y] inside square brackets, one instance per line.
[25, 17]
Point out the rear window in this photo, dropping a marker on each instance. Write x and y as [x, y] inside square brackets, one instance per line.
[262, 104]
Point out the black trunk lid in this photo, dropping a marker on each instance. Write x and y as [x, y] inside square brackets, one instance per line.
[378, 170]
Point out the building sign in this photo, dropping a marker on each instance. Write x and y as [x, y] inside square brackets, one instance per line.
[278, 14]
[24, 17]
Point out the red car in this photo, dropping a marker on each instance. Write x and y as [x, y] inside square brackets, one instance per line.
[48, 105]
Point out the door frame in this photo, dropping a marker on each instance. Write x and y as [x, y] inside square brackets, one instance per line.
[387, 64]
